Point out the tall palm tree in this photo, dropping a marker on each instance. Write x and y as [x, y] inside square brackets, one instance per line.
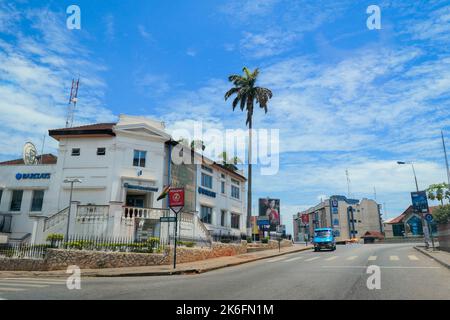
[246, 95]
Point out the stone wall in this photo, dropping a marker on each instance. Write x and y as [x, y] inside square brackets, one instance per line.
[59, 259]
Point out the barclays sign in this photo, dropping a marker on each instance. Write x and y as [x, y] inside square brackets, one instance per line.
[32, 176]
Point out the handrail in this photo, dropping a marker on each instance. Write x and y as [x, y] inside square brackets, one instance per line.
[49, 219]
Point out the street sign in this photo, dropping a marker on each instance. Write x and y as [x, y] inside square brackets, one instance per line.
[261, 222]
[429, 217]
[420, 202]
[167, 219]
[176, 199]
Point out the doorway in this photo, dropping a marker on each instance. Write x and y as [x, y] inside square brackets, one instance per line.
[137, 200]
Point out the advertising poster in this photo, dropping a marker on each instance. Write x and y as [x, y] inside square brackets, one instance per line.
[419, 202]
[270, 208]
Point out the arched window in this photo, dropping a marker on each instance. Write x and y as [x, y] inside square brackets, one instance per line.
[415, 225]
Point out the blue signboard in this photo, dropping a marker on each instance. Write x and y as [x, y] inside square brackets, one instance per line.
[429, 217]
[263, 222]
[141, 188]
[32, 176]
[206, 192]
[419, 202]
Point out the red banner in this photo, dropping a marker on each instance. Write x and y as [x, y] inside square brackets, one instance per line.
[176, 197]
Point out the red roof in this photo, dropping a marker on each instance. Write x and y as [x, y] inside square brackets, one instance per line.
[97, 129]
[47, 159]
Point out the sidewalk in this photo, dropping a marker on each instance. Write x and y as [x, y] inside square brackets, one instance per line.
[182, 268]
[441, 257]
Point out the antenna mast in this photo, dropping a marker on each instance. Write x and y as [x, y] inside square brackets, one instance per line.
[72, 103]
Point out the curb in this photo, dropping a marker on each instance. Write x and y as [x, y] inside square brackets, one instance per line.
[432, 257]
[193, 270]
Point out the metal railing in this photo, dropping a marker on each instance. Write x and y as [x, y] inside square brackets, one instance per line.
[22, 251]
[109, 244]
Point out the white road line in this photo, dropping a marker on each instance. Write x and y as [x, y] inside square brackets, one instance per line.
[276, 259]
[15, 284]
[31, 282]
[394, 258]
[383, 267]
[311, 259]
[10, 289]
[352, 258]
[36, 279]
[413, 257]
[331, 258]
[372, 258]
[293, 259]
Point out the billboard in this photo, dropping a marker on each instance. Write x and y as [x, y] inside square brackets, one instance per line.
[270, 208]
[419, 202]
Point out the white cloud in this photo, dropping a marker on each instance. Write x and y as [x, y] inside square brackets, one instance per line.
[36, 72]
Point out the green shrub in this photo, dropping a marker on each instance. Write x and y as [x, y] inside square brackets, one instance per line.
[55, 237]
[225, 240]
[249, 239]
[442, 214]
[265, 240]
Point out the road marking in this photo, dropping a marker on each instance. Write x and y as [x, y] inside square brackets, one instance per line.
[394, 258]
[22, 285]
[10, 289]
[311, 259]
[331, 258]
[412, 257]
[372, 258]
[293, 259]
[31, 281]
[383, 267]
[352, 258]
[276, 259]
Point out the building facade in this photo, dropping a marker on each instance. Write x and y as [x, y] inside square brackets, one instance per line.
[350, 218]
[123, 167]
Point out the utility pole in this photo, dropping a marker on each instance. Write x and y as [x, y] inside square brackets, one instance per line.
[72, 103]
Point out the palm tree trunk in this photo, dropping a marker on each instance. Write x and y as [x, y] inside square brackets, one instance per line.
[249, 184]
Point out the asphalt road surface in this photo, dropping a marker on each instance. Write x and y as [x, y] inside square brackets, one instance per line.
[404, 274]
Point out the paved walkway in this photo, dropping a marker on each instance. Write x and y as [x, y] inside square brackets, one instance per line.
[440, 256]
[182, 268]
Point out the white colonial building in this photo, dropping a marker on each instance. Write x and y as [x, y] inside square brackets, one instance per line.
[123, 167]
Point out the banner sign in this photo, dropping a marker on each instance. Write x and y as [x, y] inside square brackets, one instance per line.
[420, 202]
[176, 197]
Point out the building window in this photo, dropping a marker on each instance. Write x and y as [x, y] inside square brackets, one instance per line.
[207, 169]
[16, 201]
[223, 216]
[236, 182]
[235, 218]
[205, 214]
[235, 192]
[222, 187]
[76, 152]
[101, 151]
[37, 201]
[206, 181]
[222, 176]
[139, 158]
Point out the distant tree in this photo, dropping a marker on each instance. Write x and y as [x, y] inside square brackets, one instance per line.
[442, 214]
[438, 191]
[230, 163]
[197, 144]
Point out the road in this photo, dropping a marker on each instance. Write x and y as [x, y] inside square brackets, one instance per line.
[405, 274]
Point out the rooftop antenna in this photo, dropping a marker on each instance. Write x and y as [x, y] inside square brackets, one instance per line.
[72, 103]
[375, 193]
[446, 159]
[348, 183]
[42, 150]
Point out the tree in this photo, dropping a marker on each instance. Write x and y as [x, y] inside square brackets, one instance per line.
[197, 144]
[229, 163]
[246, 95]
[438, 191]
[442, 214]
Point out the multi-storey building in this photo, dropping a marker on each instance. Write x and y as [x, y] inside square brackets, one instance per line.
[349, 218]
[123, 167]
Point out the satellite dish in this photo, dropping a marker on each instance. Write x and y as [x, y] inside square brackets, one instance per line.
[29, 154]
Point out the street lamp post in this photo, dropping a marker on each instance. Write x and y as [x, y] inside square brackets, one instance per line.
[71, 181]
[424, 223]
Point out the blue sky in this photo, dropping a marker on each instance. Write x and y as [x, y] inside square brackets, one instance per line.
[345, 97]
